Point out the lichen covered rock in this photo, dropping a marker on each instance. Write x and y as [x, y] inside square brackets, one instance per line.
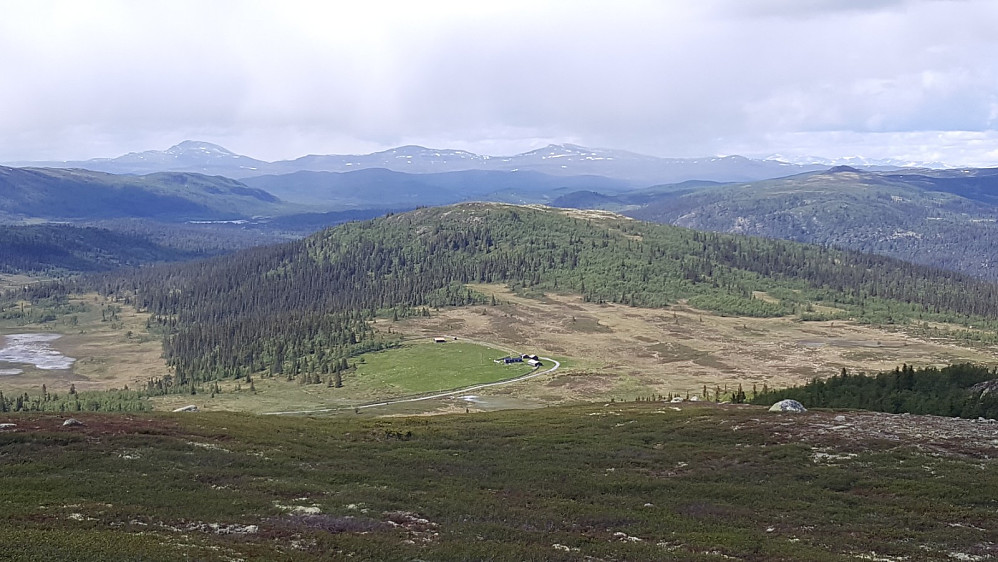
[787, 406]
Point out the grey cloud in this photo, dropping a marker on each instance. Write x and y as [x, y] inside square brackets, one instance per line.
[794, 9]
[671, 78]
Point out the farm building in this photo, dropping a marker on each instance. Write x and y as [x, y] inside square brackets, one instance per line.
[509, 360]
[439, 340]
[534, 362]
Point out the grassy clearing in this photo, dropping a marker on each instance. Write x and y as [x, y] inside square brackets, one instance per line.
[415, 368]
[628, 351]
[13, 281]
[635, 481]
[426, 367]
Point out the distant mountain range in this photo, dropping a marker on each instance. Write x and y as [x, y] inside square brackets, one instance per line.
[556, 159]
[78, 195]
[941, 217]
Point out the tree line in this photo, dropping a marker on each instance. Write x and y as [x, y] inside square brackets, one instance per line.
[954, 391]
[72, 401]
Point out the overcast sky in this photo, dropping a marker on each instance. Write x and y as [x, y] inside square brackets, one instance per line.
[912, 79]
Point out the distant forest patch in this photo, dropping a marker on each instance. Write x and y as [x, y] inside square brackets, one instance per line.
[966, 391]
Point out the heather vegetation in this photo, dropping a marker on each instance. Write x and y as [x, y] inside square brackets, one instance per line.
[634, 481]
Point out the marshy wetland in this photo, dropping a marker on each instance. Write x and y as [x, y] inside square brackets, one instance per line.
[33, 349]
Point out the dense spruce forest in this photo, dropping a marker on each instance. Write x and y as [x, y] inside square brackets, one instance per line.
[55, 248]
[956, 391]
[303, 308]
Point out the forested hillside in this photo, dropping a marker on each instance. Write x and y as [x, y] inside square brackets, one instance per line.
[61, 248]
[943, 218]
[82, 194]
[302, 308]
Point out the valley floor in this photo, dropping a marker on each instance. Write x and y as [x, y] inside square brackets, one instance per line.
[607, 352]
[623, 352]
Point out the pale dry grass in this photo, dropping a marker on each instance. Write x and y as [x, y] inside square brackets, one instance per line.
[268, 395]
[623, 352]
[14, 281]
[585, 214]
[107, 356]
[612, 351]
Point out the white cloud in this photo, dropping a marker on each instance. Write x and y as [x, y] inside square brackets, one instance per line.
[965, 148]
[276, 80]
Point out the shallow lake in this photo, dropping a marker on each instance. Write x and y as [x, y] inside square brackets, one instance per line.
[31, 349]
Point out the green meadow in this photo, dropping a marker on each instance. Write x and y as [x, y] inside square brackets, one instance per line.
[428, 367]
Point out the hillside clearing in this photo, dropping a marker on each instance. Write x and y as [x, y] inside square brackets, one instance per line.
[12, 281]
[623, 351]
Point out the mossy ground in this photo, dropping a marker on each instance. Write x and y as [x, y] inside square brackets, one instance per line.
[634, 481]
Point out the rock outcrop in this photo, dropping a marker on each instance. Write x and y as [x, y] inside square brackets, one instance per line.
[787, 406]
